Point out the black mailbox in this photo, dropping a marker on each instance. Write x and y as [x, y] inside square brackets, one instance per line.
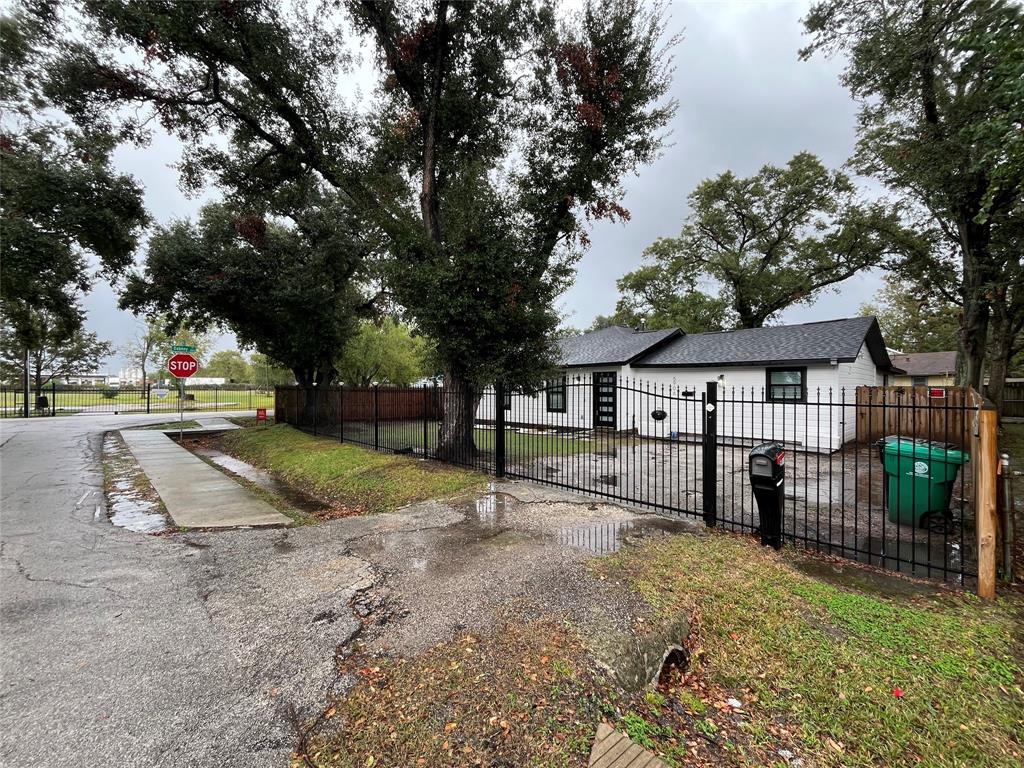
[767, 474]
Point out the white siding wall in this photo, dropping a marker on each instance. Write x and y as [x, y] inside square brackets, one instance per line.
[532, 408]
[862, 372]
[823, 423]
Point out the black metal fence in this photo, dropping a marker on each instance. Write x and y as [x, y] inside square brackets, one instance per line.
[58, 400]
[683, 451]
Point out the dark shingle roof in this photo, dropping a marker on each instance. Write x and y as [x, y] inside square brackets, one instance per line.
[838, 340]
[611, 346]
[926, 363]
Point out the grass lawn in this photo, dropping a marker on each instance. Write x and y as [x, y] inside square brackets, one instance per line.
[816, 664]
[360, 478]
[864, 675]
[205, 399]
[518, 445]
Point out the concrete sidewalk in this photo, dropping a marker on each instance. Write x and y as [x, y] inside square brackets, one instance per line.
[208, 425]
[196, 495]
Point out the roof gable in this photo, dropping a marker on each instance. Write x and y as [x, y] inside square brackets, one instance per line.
[615, 345]
[926, 363]
[822, 342]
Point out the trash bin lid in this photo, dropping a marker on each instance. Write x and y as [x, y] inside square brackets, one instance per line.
[924, 449]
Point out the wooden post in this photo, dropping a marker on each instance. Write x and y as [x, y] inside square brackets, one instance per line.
[986, 490]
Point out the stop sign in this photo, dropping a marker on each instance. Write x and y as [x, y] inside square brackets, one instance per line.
[182, 365]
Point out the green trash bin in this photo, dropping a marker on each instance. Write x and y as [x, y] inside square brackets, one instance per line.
[919, 477]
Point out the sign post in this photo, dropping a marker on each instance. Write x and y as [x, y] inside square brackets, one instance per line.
[182, 365]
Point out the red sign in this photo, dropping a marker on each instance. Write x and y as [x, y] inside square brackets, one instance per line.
[182, 365]
[261, 414]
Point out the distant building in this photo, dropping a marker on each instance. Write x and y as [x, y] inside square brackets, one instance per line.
[86, 379]
[206, 380]
[925, 369]
[130, 375]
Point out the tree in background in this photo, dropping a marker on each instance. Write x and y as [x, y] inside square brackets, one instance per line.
[230, 365]
[61, 204]
[912, 322]
[53, 349]
[267, 374]
[941, 94]
[385, 352]
[288, 287]
[498, 129]
[142, 349]
[766, 242]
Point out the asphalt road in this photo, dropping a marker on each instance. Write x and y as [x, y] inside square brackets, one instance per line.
[124, 649]
[129, 650]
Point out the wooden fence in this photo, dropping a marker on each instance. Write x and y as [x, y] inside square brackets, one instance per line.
[930, 413]
[336, 405]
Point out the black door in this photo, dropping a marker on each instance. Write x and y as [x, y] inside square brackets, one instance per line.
[604, 399]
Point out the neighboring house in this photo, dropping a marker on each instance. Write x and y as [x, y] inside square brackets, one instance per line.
[86, 379]
[781, 382]
[208, 381]
[925, 369]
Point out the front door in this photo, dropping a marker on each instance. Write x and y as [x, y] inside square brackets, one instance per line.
[604, 399]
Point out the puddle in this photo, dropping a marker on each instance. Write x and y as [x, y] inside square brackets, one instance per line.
[490, 516]
[126, 506]
[137, 515]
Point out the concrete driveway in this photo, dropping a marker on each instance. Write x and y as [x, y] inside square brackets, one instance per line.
[118, 648]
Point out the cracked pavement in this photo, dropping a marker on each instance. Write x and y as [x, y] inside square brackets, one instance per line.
[119, 648]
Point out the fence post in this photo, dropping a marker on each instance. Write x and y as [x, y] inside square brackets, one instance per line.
[499, 429]
[341, 411]
[24, 404]
[709, 455]
[316, 407]
[149, 388]
[426, 415]
[376, 421]
[986, 493]
[53, 398]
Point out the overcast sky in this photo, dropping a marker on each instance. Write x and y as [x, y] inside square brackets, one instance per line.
[744, 100]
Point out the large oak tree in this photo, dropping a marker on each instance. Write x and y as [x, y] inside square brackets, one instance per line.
[761, 243]
[941, 94]
[497, 128]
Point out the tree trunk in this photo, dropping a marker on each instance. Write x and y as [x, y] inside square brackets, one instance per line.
[1005, 329]
[974, 239]
[312, 381]
[459, 404]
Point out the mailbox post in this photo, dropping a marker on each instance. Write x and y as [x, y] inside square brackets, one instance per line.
[767, 476]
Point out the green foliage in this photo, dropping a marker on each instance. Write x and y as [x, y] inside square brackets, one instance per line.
[496, 131]
[109, 394]
[941, 97]
[55, 350]
[229, 365]
[267, 374]
[383, 353]
[766, 242]
[61, 203]
[363, 479]
[912, 322]
[288, 289]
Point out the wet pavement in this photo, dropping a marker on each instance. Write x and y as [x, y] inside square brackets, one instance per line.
[121, 648]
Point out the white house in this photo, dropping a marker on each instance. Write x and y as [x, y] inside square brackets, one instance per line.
[794, 383]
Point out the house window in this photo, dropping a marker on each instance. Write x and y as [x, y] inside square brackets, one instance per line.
[556, 396]
[787, 385]
[919, 381]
